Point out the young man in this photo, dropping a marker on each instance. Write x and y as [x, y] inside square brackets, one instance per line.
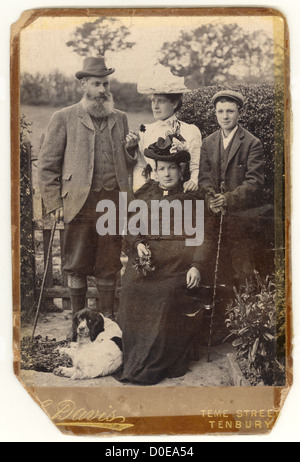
[232, 173]
[85, 158]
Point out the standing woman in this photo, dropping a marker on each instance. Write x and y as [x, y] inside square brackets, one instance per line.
[166, 92]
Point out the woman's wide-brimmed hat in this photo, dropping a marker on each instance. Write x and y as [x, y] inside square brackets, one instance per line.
[160, 150]
[160, 80]
[94, 67]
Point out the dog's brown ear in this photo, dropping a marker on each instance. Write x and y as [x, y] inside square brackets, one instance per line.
[97, 326]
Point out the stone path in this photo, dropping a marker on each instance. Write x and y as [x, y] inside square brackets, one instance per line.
[201, 372]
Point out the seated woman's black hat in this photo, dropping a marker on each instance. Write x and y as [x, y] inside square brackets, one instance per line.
[160, 150]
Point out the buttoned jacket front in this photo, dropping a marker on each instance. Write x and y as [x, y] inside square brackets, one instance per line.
[66, 159]
[244, 170]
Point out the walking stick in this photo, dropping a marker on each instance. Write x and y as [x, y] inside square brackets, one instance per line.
[44, 279]
[215, 284]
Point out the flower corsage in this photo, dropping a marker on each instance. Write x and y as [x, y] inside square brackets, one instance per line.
[143, 265]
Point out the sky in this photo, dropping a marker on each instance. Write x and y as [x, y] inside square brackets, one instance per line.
[43, 43]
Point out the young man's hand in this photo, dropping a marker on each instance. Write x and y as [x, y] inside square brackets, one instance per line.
[219, 200]
[217, 203]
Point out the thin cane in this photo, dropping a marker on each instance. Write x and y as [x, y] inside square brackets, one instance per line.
[44, 279]
[215, 287]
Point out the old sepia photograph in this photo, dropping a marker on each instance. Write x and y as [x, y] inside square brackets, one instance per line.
[151, 241]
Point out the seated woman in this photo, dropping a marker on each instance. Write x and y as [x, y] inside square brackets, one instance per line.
[166, 93]
[157, 315]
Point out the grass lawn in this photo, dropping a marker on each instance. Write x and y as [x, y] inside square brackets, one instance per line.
[39, 116]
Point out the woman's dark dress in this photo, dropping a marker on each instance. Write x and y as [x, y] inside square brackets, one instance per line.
[153, 313]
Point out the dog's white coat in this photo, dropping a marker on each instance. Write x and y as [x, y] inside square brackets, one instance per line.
[93, 359]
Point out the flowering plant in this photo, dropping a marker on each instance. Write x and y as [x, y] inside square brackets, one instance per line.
[143, 264]
[178, 142]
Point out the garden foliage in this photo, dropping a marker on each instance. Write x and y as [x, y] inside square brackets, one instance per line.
[252, 322]
[26, 221]
[221, 53]
[58, 90]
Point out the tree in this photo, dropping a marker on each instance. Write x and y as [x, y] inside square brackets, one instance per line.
[220, 53]
[31, 86]
[95, 38]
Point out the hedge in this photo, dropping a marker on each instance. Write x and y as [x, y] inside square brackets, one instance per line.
[27, 262]
[57, 90]
[263, 107]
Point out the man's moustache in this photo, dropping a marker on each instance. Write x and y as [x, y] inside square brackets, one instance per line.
[104, 97]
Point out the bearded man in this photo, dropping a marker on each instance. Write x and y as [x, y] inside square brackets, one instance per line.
[85, 158]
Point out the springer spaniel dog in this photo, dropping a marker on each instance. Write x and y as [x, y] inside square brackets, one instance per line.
[96, 349]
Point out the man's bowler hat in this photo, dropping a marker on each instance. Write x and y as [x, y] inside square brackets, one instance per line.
[234, 95]
[94, 67]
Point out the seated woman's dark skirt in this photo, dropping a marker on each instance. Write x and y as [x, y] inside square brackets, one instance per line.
[158, 318]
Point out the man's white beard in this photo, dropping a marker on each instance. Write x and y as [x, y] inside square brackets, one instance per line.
[99, 107]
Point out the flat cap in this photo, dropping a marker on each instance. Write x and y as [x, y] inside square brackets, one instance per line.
[234, 95]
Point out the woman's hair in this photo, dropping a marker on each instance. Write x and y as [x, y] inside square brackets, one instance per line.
[175, 97]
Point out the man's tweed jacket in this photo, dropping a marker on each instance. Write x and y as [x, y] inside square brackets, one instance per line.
[66, 159]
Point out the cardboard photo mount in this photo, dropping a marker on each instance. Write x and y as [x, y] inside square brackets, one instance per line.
[161, 410]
